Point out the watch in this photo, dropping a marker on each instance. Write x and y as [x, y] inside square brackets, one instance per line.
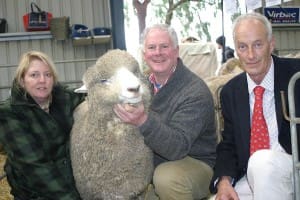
[231, 180]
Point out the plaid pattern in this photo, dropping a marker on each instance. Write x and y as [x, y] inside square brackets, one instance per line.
[156, 86]
[37, 145]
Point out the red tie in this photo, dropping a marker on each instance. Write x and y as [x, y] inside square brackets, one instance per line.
[259, 130]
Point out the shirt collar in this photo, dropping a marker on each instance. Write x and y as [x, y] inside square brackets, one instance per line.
[267, 83]
[157, 86]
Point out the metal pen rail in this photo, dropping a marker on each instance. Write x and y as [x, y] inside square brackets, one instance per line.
[293, 128]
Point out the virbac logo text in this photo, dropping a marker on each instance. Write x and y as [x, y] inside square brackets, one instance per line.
[281, 14]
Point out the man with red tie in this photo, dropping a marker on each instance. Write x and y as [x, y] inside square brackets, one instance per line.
[254, 157]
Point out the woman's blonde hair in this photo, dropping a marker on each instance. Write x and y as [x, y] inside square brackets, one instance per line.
[24, 63]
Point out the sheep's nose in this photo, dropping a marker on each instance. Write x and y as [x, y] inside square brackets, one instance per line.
[134, 89]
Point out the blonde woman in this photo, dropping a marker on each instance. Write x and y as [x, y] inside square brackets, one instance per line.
[35, 124]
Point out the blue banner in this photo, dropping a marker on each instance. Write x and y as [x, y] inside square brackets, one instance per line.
[282, 15]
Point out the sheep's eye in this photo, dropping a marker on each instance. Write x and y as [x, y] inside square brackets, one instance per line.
[105, 81]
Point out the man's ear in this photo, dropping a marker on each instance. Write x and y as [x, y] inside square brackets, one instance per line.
[272, 44]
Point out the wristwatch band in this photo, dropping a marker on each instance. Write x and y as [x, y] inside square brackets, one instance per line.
[231, 180]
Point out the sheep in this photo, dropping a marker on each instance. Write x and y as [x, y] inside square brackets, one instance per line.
[4, 186]
[231, 66]
[109, 157]
[215, 83]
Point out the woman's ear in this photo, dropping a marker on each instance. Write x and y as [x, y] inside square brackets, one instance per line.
[22, 83]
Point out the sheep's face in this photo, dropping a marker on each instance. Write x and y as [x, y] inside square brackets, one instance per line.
[130, 87]
[115, 78]
[124, 85]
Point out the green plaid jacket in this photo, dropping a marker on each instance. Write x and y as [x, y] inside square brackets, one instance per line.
[37, 145]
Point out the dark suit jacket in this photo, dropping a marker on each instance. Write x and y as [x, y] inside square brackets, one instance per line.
[233, 150]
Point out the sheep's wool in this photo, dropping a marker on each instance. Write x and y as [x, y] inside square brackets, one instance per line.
[109, 158]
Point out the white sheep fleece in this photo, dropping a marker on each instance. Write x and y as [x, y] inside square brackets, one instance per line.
[109, 158]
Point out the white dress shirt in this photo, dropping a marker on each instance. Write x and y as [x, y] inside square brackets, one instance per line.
[268, 106]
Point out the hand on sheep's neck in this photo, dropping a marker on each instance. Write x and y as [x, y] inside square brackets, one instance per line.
[134, 115]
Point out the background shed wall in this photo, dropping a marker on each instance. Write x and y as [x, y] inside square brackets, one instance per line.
[287, 38]
[71, 60]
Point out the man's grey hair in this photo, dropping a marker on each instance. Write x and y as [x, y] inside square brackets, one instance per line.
[256, 16]
[162, 27]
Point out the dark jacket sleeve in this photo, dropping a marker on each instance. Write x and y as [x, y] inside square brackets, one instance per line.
[227, 161]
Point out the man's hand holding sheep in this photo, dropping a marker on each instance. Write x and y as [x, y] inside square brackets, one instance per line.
[132, 114]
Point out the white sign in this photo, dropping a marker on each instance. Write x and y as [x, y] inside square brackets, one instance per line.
[230, 6]
[272, 2]
[253, 4]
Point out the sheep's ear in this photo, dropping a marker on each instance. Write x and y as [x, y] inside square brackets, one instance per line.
[82, 89]
[88, 78]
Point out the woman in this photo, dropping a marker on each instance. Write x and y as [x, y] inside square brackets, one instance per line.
[35, 125]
